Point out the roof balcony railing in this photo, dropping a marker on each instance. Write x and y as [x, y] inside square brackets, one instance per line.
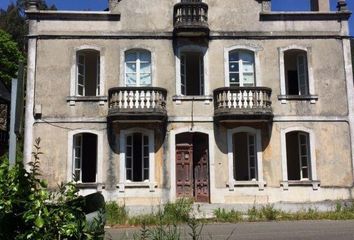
[191, 18]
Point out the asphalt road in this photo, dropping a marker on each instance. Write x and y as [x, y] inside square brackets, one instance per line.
[299, 230]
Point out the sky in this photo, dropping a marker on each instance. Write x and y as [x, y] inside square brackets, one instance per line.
[94, 5]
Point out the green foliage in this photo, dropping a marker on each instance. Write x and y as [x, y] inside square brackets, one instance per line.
[221, 215]
[115, 214]
[30, 211]
[177, 212]
[196, 229]
[171, 213]
[269, 213]
[10, 57]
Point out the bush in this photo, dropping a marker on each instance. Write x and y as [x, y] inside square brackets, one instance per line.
[30, 211]
[115, 214]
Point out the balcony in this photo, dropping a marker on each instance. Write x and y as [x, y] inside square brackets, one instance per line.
[242, 104]
[137, 104]
[191, 18]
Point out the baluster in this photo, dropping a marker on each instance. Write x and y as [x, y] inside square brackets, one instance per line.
[242, 99]
[149, 99]
[145, 99]
[259, 99]
[224, 97]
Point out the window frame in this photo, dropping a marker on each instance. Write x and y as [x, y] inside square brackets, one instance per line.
[179, 97]
[123, 182]
[70, 158]
[284, 97]
[259, 162]
[138, 67]
[312, 180]
[100, 87]
[257, 68]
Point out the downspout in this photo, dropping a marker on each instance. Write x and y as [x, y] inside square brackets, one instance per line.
[30, 86]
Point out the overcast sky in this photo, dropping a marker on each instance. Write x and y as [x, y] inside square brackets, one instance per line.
[277, 5]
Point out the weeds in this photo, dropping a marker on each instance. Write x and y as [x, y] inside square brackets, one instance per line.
[221, 215]
[115, 214]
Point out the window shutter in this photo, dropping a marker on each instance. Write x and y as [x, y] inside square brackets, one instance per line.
[302, 74]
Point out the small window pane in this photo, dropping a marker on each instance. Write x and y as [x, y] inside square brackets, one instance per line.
[233, 67]
[77, 162]
[234, 78]
[81, 69]
[131, 79]
[234, 56]
[81, 79]
[253, 174]
[80, 90]
[248, 67]
[145, 68]
[251, 150]
[145, 56]
[130, 57]
[77, 174]
[146, 174]
[146, 151]
[304, 161]
[248, 78]
[305, 173]
[131, 67]
[246, 57]
[145, 79]
[146, 162]
[252, 162]
[303, 150]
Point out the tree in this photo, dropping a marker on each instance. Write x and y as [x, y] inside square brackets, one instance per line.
[13, 20]
[10, 56]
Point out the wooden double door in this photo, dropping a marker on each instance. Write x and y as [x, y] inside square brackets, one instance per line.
[192, 166]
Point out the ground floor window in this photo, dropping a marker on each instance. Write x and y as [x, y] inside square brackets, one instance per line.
[85, 157]
[137, 157]
[245, 156]
[298, 155]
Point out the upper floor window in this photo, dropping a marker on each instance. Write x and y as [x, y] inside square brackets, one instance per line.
[138, 68]
[88, 73]
[192, 73]
[296, 72]
[241, 68]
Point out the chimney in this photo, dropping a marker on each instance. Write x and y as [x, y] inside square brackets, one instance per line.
[320, 5]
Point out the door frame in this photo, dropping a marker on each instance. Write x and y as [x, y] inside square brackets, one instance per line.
[172, 156]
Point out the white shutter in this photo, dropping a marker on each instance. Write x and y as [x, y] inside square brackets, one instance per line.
[302, 74]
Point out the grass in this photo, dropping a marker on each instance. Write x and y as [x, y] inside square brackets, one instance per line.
[179, 212]
[170, 213]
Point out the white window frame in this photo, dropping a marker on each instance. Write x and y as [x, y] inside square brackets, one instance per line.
[257, 67]
[313, 162]
[259, 164]
[198, 49]
[310, 78]
[74, 74]
[71, 157]
[123, 182]
[138, 66]
[122, 81]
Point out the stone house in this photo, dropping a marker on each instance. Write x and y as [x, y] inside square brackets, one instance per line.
[220, 101]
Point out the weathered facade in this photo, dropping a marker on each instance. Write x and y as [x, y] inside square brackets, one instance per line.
[221, 101]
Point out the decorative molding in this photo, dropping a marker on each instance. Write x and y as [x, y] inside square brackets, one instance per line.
[72, 15]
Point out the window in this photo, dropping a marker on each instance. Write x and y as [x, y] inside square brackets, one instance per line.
[298, 155]
[88, 73]
[298, 158]
[138, 68]
[137, 157]
[296, 72]
[85, 157]
[241, 68]
[245, 157]
[192, 73]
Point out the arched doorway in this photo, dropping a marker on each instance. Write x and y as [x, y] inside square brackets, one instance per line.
[192, 166]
